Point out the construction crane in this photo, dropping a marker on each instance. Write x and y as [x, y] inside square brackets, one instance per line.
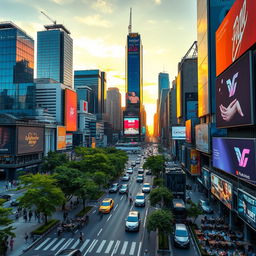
[53, 21]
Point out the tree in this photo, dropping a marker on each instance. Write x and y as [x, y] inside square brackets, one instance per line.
[161, 220]
[100, 178]
[194, 211]
[155, 164]
[53, 160]
[5, 225]
[42, 193]
[162, 196]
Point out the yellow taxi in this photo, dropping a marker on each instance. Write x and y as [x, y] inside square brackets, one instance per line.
[106, 205]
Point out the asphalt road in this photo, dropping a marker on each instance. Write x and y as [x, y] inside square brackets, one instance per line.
[106, 235]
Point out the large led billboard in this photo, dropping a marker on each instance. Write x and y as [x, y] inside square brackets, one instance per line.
[69, 140]
[5, 139]
[194, 162]
[234, 104]
[222, 190]
[202, 137]
[206, 178]
[235, 156]
[246, 208]
[70, 110]
[61, 137]
[132, 99]
[178, 132]
[189, 131]
[179, 96]
[236, 34]
[131, 125]
[30, 140]
[191, 105]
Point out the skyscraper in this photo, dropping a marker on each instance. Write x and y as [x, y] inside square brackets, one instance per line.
[163, 82]
[17, 91]
[55, 54]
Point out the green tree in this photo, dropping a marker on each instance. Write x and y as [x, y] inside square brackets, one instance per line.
[162, 196]
[155, 164]
[161, 220]
[194, 211]
[42, 193]
[53, 160]
[5, 225]
[100, 178]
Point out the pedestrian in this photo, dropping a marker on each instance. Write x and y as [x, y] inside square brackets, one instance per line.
[9, 184]
[6, 187]
[26, 237]
[30, 214]
[38, 217]
[25, 217]
[24, 211]
[35, 214]
[11, 243]
[81, 236]
[146, 253]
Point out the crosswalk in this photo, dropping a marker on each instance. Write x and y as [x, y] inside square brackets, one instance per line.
[90, 246]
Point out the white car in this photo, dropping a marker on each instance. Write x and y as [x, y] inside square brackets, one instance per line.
[140, 200]
[146, 188]
[126, 177]
[129, 170]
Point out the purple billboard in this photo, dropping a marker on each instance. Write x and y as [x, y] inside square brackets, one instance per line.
[235, 156]
[234, 103]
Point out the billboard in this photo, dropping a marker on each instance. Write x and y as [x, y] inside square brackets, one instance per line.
[69, 140]
[246, 208]
[30, 140]
[179, 96]
[70, 110]
[189, 131]
[234, 104]
[132, 99]
[131, 125]
[5, 139]
[202, 138]
[191, 105]
[194, 162]
[83, 106]
[178, 132]
[236, 34]
[222, 190]
[61, 137]
[235, 156]
[206, 178]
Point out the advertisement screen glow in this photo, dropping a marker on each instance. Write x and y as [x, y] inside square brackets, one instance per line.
[202, 138]
[179, 132]
[61, 137]
[70, 110]
[131, 126]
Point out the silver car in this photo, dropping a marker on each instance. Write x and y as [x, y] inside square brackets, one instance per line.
[146, 188]
[133, 221]
[140, 200]
[181, 236]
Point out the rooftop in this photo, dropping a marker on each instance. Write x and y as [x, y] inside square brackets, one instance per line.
[57, 26]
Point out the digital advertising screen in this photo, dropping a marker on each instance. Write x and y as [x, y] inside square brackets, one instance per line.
[132, 99]
[179, 96]
[131, 125]
[189, 131]
[236, 34]
[191, 105]
[202, 137]
[235, 156]
[206, 177]
[70, 110]
[234, 106]
[69, 140]
[61, 137]
[246, 208]
[30, 140]
[222, 190]
[194, 162]
[6, 139]
[178, 132]
[83, 106]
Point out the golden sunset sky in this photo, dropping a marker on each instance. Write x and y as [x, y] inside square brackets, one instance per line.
[99, 29]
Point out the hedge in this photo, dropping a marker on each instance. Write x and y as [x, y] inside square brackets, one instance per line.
[163, 241]
[84, 211]
[42, 229]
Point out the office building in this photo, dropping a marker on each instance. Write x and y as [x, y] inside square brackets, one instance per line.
[163, 82]
[17, 91]
[55, 54]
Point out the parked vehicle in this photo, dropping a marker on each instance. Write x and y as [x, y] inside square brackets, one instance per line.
[133, 221]
[148, 172]
[205, 206]
[6, 197]
[181, 236]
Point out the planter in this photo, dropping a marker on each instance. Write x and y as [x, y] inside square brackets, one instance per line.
[163, 246]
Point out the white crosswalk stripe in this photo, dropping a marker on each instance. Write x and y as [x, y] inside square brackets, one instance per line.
[58, 244]
[91, 246]
[101, 246]
[65, 245]
[50, 244]
[132, 248]
[84, 244]
[42, 244]
[124, 248]
[109, 246]
[75, 244]
[116, 247]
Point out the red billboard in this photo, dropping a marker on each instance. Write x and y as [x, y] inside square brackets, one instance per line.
[236, 34]
[70, 110]
[131, 126]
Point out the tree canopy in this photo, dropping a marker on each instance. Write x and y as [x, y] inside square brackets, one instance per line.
[155, 164]
[162, 196]
[194, 211]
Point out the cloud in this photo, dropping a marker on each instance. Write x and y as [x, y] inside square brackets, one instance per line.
[102, 6]
[94, 20]
[151, 21]
[157, 1]
[61, 2]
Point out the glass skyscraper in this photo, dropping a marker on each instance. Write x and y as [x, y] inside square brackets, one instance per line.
[17, 90]
[163, 82]
[55, 54]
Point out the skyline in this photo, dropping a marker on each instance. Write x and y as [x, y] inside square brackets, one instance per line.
[101, 43]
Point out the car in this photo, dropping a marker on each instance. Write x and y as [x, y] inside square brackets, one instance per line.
[137, 161]
[133, 221]
[114, 188]
[140, 170]
[106, 205]
[146, 188]
[124, 189]
[129, 170]
[6, 197]
[148, 172]
[133, 163]
[140, 200]
[181, 236]
[140, 178]
[126, 177]
[70, 252]
[205, 206]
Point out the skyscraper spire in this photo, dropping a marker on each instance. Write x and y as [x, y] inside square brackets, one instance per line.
[130, 23]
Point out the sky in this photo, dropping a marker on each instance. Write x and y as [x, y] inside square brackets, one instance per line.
[99, 29]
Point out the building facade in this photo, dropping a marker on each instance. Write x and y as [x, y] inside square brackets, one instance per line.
[163, 82]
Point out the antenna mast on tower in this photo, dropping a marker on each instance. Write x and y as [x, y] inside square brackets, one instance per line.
[130, 23]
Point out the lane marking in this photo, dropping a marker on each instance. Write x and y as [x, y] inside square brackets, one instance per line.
[115, 207]
[42, 244]
[65, 245]
[58, 244]
[145, 218]
[109, 217]
[94, 211]
[84, 244]
[49, 245]
[109, 246]
[92, 244]
[124, 248]
[121, 197]
[132, 248]
[140, 244]
[101, 246]
[75, 244]
[116, 247]
[99, 232]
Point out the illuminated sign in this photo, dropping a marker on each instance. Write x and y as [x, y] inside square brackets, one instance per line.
[189, 131]
[202, 138]
[5, 139]
[178, 132]
[83, 106]
[69, 140]
[194, 162]
[61, 137]
[131, 126]
[179, 95]
[70, 110]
